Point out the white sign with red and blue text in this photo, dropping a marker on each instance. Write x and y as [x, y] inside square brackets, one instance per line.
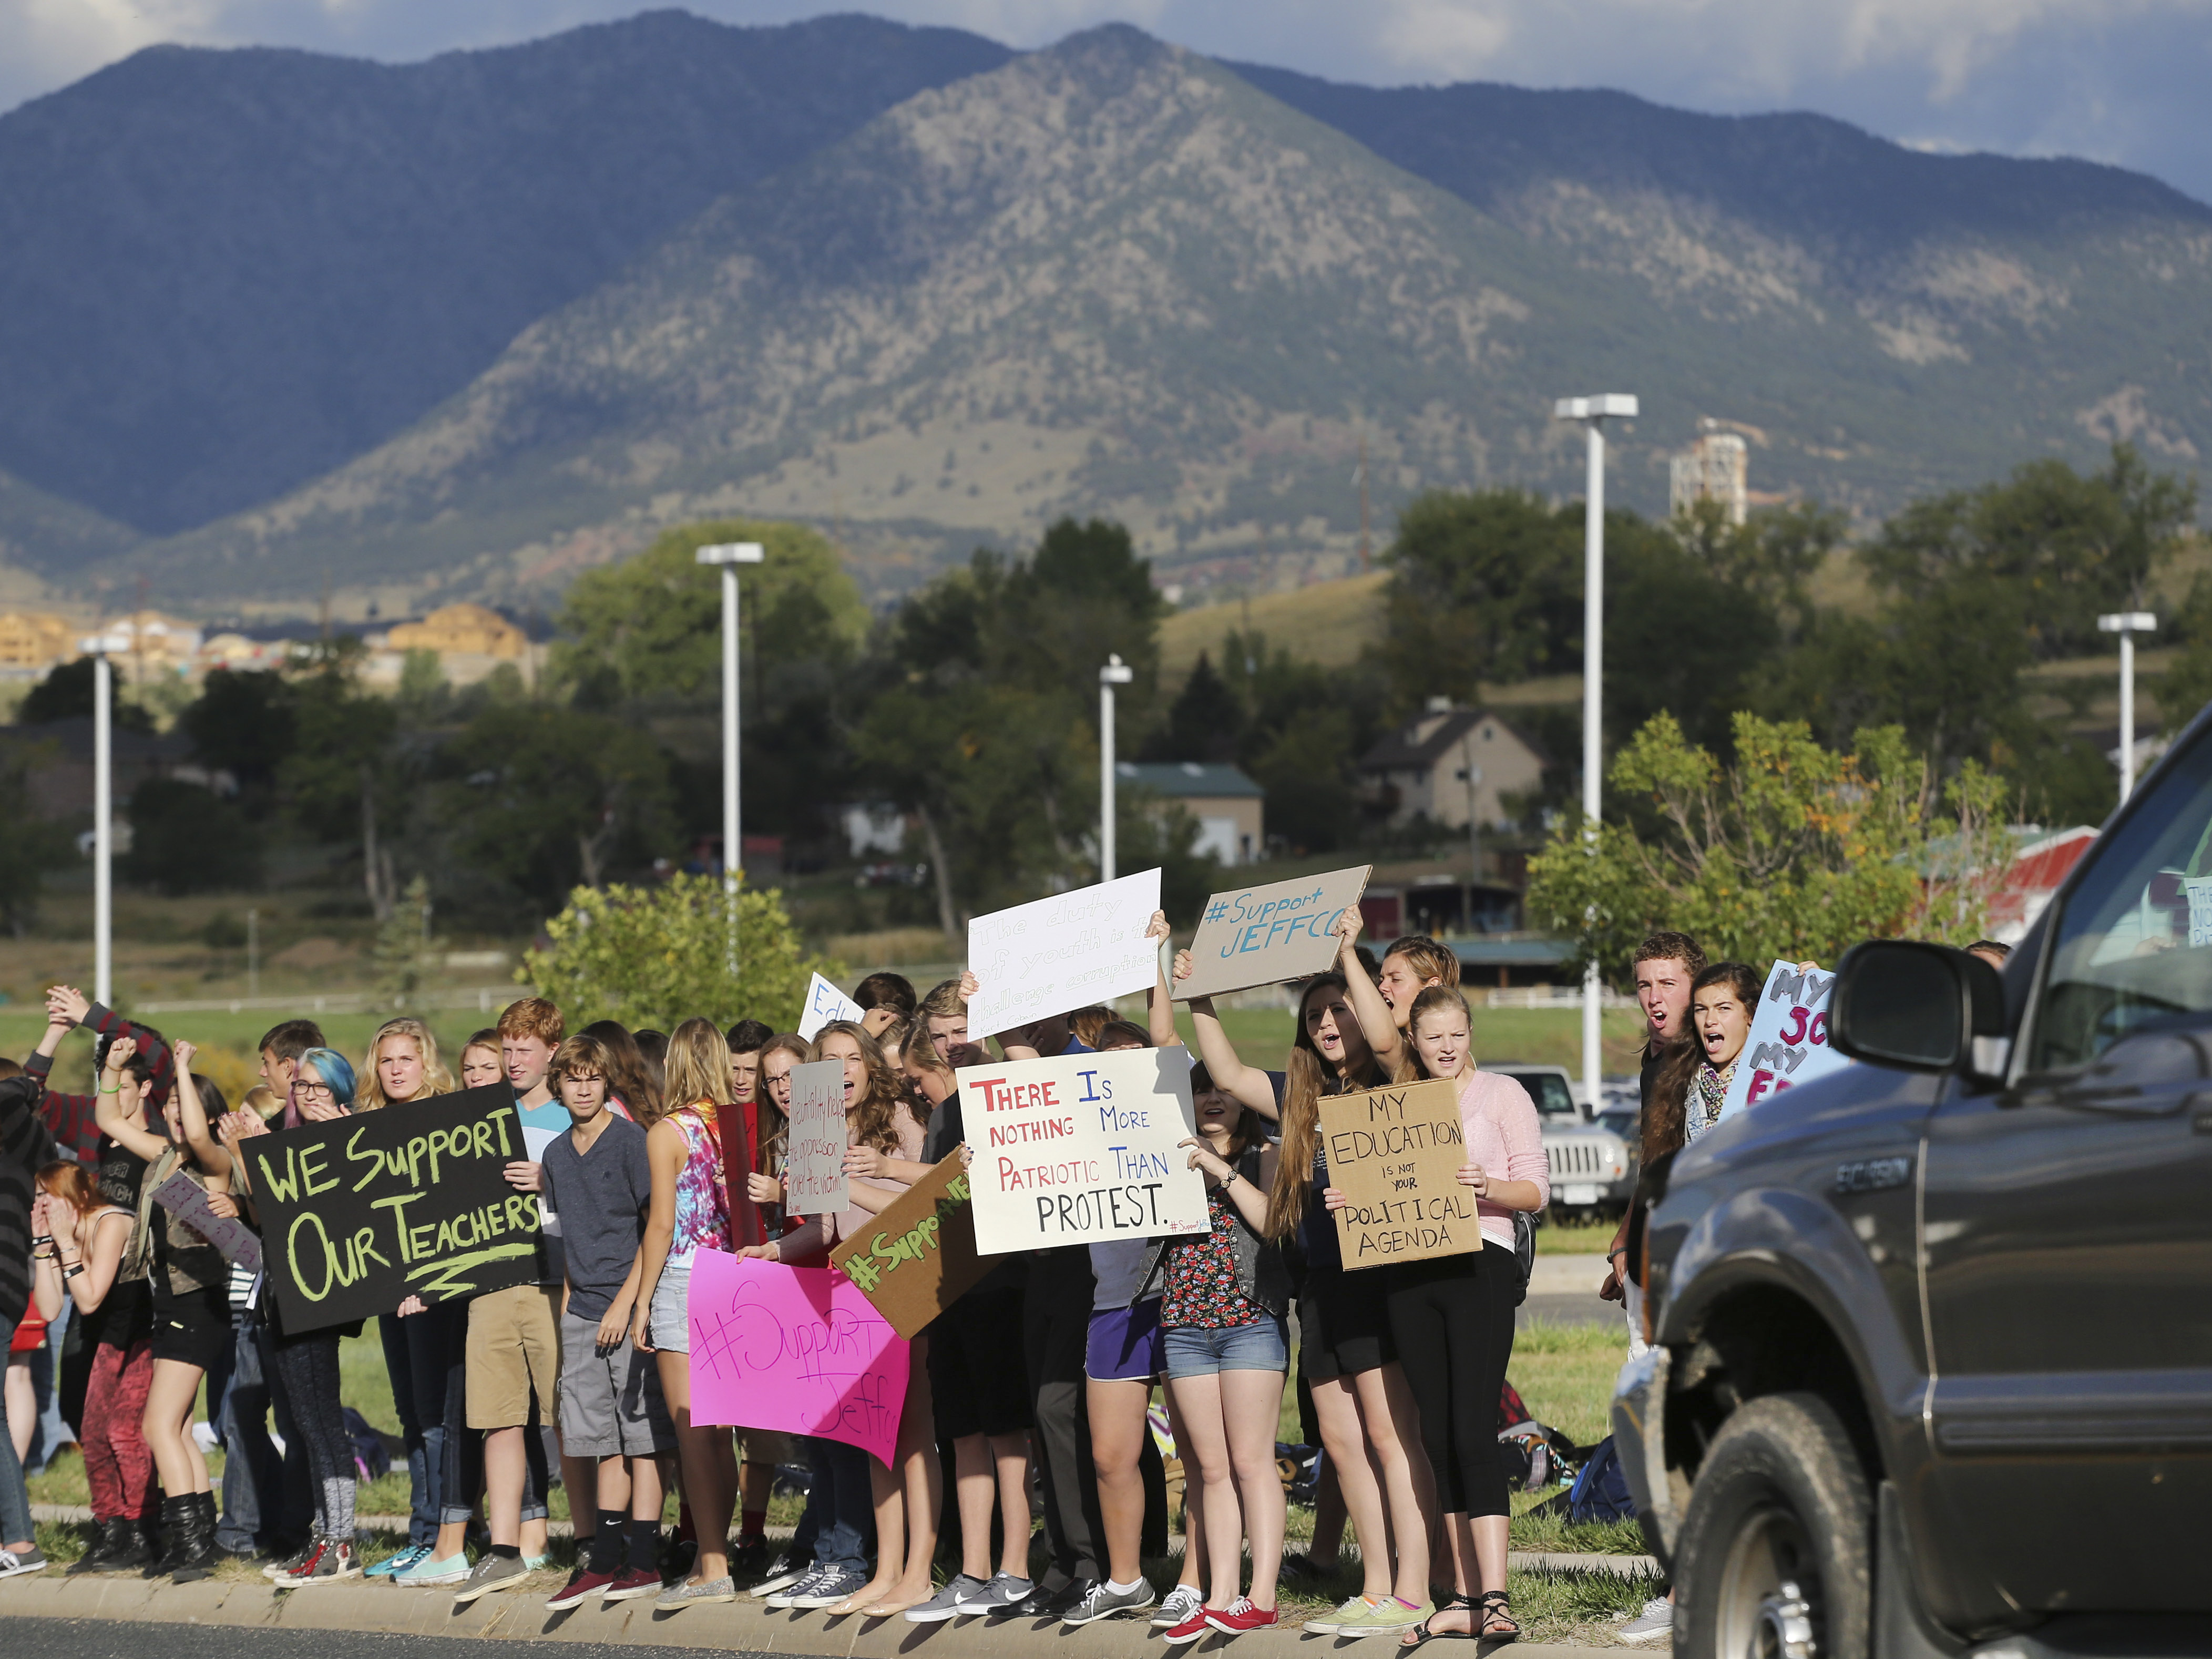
[1789, 1039]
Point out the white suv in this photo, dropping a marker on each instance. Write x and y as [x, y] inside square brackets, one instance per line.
[1593, 1168]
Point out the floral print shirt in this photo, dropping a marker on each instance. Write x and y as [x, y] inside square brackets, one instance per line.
[1201, 1275]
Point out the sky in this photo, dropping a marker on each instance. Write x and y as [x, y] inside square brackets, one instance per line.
[2117, 81]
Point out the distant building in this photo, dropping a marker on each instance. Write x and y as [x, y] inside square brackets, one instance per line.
[1419, 771]
[1717, 467]
[33, 642]
[460, 630]
[1231, 809]
[153, 645]
[237, 651]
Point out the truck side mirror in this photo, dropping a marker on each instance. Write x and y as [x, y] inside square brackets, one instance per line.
[1902, 1002]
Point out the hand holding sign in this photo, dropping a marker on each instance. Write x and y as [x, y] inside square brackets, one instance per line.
[1261, 935]
[1787, 1043]
[814, 1156]
[1037, 960]
[1398, 1181]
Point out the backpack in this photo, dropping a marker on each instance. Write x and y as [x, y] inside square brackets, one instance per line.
[1600, 1491]
[372, 1458]
[1524, 1250]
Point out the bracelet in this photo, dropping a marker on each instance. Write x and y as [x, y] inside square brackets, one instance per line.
[116, 1090]
[71, 1273]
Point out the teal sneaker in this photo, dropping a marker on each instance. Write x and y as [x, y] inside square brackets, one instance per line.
[393, 1566]
[535, 1563]
[429, 1570]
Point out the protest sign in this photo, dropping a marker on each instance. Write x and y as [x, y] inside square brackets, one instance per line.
[814, 1146]
[825, 1003]
[1789, 1039]
[183, 1197]
[1067, 951]
[798, 1349]
[1080, 1148]
[1395, 1154]
[1263, 935]
[914, 1260]
[360, 1213]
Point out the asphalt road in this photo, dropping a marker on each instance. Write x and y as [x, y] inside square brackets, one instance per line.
[1580, 1308]
[82, 1638]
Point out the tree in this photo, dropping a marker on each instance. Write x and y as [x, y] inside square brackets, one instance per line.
[1483, 586]
[405, 954]
[1793, 850]
[343, 775]
[655, 956]
[65, 694]
[185, 838]
[30, 846]
[245, 723]
[1203, 722]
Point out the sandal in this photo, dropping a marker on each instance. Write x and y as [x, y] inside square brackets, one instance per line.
[1497, 1611]
[1421, 1633]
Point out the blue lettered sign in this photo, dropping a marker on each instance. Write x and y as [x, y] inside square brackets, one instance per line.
[1263, 935]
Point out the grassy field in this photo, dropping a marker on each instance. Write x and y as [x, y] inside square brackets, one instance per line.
[1539, 1036]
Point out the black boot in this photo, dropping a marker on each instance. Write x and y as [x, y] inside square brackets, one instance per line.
[178, 1517]
[193, 1553]
[118, 1536]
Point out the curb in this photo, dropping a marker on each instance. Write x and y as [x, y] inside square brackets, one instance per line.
[745, 1626]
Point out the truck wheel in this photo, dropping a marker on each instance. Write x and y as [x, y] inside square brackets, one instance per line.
[1777, 1551]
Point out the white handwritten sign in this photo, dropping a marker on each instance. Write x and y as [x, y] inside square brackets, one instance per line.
[1789, 1039]
[1262, 935]
[825, 1003]
[1062, 952]
[814, 1155]
[1081, 1147]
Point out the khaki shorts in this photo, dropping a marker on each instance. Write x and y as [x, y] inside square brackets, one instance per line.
[769, 1446]
[514, 1348]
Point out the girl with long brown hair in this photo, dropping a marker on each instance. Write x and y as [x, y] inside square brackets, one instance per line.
[1694, 1076]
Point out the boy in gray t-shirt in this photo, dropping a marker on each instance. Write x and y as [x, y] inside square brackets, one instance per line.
[596, 1180]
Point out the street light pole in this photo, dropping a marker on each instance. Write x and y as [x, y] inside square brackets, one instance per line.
[729, 555]
[103, 816]
[1115, 673]
[1592, 412]
[1471, 774]
[2127, 625]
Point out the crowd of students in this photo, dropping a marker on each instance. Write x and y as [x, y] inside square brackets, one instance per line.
[645, 1148]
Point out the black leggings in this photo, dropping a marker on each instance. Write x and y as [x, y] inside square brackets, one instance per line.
[307, 1371]
[1453, 1321]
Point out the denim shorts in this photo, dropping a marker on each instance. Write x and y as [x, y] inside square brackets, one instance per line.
[1203, 1350]
[671, 1314]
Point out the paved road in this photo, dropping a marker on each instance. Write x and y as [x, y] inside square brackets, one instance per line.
[84, 1638]
[1579, 1308]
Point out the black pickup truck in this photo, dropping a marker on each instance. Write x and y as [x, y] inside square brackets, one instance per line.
[1931, 1370]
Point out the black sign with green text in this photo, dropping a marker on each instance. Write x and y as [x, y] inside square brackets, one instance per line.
[359, 1215]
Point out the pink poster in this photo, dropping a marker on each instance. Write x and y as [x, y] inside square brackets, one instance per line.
[798, 1349]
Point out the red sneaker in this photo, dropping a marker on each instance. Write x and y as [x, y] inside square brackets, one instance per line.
[583, 1585]
[1240, 1617]
[1189, 1630]
[633, 1581]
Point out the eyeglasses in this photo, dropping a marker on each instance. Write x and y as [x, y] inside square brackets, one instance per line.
[324, 1089]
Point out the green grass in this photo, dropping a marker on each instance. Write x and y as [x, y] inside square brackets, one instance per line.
[1579, 1236]
[1537, 1036]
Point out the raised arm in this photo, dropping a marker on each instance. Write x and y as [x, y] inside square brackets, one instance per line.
[1248, 1083]
[191, 1114]
[136, 1138]
[1376, 1024]
[1159, 1012]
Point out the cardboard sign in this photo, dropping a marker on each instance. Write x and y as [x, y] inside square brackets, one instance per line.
[825, 1003]
[1264, 935]
[1395, 1154]
[814, 1154]
[1082, 1147]
[1063, 952]
[1789, 1039]
[798, 1349]
[361, 1214]
[182, 1197]
[918, 1257]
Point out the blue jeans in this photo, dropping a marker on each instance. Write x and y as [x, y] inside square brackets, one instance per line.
[14, 1497]
[841, 1502]
[417, 1359]
[266, 1500]
[1205, 1350]
[51, 1431]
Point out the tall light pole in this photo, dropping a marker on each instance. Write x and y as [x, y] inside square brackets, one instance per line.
[1115, 673]
[729, 555]
[97, 646]
[1592, 412]
[1471, 775]
[2127, 625]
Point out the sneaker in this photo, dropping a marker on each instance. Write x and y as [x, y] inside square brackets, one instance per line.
[1103, 1602]
[1004, 1591]
[787, 1569]
[292, 1563]
[15, 1562]
[749, 1559]
[1178, 1605]
[1385, 1617]
[430, 1570]
[946, 1604]
[631, 1583]
[329, 1561]
[583, 1585]
[691, 1593]
[494, 1572]
[1334, 1620]
[1239, 1617]
[537, 1562]
[393, 1566]
[829, 1586]
[1189, 1630]
[1657, 1619]
[802, 1585]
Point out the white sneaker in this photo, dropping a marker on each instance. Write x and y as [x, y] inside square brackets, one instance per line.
[1657, 1619]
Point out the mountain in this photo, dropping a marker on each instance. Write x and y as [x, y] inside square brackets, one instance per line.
[1116, 277]
[224, 273]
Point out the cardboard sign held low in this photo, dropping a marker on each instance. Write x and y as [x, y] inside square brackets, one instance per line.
[918, 1257]
[1264, 935]
[1395, 1154]
[184, 1198]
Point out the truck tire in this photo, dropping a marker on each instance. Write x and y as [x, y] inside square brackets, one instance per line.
[1775, 1559]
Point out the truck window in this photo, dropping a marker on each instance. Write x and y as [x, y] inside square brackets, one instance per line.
[1548, 1092]
[2133, 946]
